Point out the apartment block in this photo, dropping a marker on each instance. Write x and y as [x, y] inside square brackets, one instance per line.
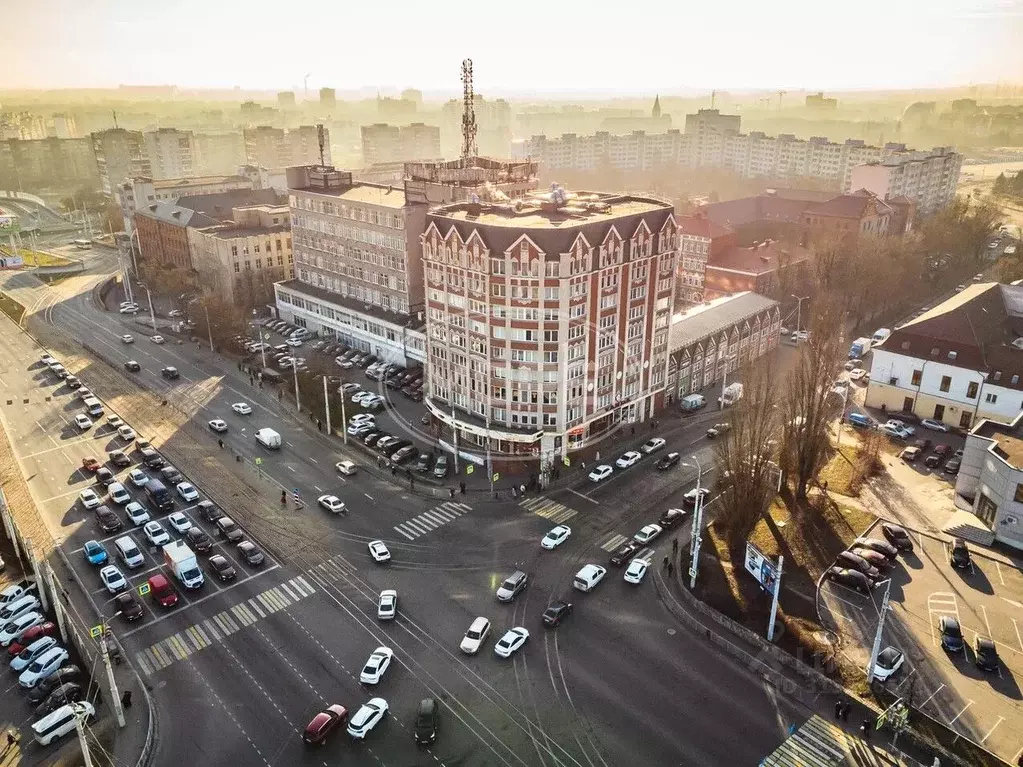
[120, 154]
[171, 153]
[305, 146]
[218, 153]
[47, 162]
[267, 146]
[383, 143]
[928, 179]
[634, 151]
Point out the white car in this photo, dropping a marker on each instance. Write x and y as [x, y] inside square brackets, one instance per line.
[349, 387]
[187, 491]
[896, 423]
[83, 422]
[138, 477]
[377, 664]
[113, 579]
[127, 338]
[126, 433]
[137, 513]
[653, 445]
[179, 522]
[362, 418]
[241, 408]
[690, 498]
[387, 605]
[13, 629]
[856, 374]
[896, 432]
[130, 309]
[118, 494]
[43, 666]
[636, 571]
[156, 534]
[557, 536]
[628, 459]
[33, 651]
[930, 423]
[379, 552]
[647, 533]
[331, 503]
[345, 467]
[367, 717]
[889, 660]
[358, 429]
[601, 472]
[474, 638]
[293, 342]
[157, 339]
[359, 396]
[512, 640]
[89, 498]
[218, 426]
[114, 422]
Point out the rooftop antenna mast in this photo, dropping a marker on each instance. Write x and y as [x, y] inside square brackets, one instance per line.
[115, 118]
[469, 150]
[713, 98]
[319, 138]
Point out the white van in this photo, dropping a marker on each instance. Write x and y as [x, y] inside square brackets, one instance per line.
[587, 578]
[692, 402]
[129, 551]
[61, 722]
[93, 406]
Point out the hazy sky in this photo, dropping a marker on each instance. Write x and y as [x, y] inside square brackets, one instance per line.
[626, 46]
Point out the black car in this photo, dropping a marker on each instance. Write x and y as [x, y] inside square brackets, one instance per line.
[209, 511]
[876, 558]
[251, 553]
[372, 437]
[423, 463]
[127, 606]
[425, 729]
[668, 461]
[152, 459]
[671, 518]
[555, 612]
[107, 519]
[959, 556]
[876, 544]
[132, 366]
[171, 474]
[986, 654]
[61, 676]
[897, 537]
[69, 692]
[937, 456]
[170, 373]
[856, 562]
[624, 553]
[72, 383]
[198, 539]
[118, 458]
[951, 634]
[416, 395]
[222, 567]
[852, 579]
[105, 477]
[952, 465]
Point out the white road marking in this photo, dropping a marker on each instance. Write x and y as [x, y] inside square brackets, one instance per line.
[942, 687]
[999, 568]
[289, 444]
[583, 496]
[368, 496]
[313, 460]
[986, 623]
[1018, 638]
[953, 719]
[317, 488]
[290, 468]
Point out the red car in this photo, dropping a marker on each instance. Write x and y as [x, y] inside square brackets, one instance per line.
[34, 633]
[91, 464]
[323, 724]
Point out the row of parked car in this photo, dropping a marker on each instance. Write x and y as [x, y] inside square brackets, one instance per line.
[43, 665]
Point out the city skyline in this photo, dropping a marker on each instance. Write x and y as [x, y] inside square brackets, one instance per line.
[959, 42]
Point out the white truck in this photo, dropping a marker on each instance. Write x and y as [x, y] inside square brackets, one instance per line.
[731, 394]
[182, 562]
[269, 438]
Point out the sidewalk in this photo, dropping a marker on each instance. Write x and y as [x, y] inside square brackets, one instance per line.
[815, 693]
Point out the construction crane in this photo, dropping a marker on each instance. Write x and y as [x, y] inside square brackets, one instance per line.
[469, 150]
[713, 97]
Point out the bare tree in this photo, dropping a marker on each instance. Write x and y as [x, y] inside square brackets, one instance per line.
[745, 455]
[225, 318]
[808, 405]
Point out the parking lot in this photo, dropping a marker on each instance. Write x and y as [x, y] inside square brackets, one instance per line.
[987, 600]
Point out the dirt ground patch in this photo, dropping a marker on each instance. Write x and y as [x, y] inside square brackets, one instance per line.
[11, 308]
[809, 535]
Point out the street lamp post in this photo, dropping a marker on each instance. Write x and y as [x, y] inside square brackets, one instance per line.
[880, 628]
[724, 382]
[152, 313]
[799, 310]
[697, 533]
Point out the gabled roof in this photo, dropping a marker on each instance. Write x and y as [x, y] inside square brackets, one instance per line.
[759, 260]
[176, 215]
[853, 205]
[976, 326]
[710, 318]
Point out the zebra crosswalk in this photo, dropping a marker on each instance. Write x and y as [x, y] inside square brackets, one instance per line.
[432, 519]
[615, 540]
[201, 635]
[547, 508]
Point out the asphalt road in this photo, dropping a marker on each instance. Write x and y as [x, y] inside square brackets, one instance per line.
[238, 671]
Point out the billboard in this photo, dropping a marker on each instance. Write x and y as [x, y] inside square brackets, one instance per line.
[760, 567]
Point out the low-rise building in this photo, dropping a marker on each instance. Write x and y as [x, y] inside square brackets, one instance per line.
[163, 234]
[241, 259]
[708, 342]
[702, 238]
[757, 268]
[958, 363]
[990, 479]
[138, 192]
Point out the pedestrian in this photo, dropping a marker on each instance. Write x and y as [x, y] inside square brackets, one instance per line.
[393, 471]
[252, 381]
[319, 425]
[12, 740]
[866, 727]
[451, 490]
[522, 489]
[260, 384]
[280, 395]
[126, 699]
[412, 483]
[674, 545]
[846, 710]
[284, 498]
[671, 569]
[839, 707]
[633, 431]
[221, 443]
[825, 487]
[666, 561]
[461, 487]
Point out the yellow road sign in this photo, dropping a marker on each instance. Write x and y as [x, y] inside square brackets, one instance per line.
[96, 631]
[144, 589]
[469, 468]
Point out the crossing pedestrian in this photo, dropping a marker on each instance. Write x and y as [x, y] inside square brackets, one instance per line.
[674, 545]
[12, 741]
[284, 498]
[666, 561]
[221, 443]
[838, 709]
[671, 569]
[126, 699]
[461, 487]
[866, 727]
[451, 490]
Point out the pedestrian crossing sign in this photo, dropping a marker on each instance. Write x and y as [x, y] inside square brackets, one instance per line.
[468, 469]
[497, 476]
[567, 461]
[96, 631]
[258, 460]
[144, 589]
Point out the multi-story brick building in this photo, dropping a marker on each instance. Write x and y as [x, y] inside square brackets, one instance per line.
[548, 317]
[120, 154]
[163, 234]
[135, 193]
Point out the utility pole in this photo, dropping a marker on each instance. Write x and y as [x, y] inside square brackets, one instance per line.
[118, 709]
[454, 435]
[152, 313]
[774, 600]
[880, 629]
[326, 402]
[58, 608]
[294, 370]
[344, 420]
[80, 729]
[799, 310]
[35, 571]
[694, 543]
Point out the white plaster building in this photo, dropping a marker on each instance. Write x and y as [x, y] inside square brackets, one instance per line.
[991, 481]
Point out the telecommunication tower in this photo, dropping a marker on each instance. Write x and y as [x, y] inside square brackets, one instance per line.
[469, 150]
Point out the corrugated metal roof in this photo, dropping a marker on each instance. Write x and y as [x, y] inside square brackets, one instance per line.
[710, 318]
